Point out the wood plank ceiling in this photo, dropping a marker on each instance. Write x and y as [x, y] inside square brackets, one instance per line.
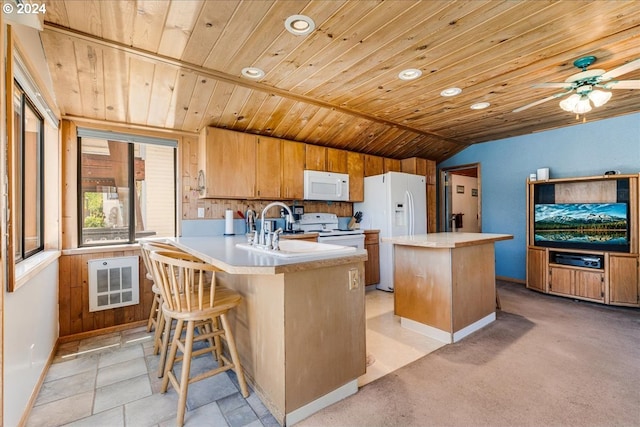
[177, 65]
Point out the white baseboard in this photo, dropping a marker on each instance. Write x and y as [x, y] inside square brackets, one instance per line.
[328, 399]
[444, 336]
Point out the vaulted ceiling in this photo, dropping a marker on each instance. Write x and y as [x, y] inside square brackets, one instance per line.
[177, 65]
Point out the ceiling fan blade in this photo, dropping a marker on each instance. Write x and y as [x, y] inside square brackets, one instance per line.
[558, 85]
[626, 68]
[621, 84]
[540, 101]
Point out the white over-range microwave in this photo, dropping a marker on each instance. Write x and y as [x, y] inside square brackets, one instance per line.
[326, 186]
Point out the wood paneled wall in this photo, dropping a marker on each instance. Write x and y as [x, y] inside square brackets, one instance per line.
[73, 296]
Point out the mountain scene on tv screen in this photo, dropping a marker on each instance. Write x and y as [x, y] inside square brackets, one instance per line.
[594, 223]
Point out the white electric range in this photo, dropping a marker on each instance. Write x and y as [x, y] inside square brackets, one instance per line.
[326, 225]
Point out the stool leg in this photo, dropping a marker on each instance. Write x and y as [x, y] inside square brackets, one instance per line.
[498, 305]
[234, 355]
[168, 366]
[157, 336]
[165, 345]
[153, 313]
[186, 367]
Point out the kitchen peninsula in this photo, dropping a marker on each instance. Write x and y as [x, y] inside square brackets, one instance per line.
[445, 282]
[300, 330]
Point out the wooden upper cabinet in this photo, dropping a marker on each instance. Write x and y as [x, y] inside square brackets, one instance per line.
[414, 165]
[355, 165]
[293, 161]
[315, 157]
[337, 160]
[431, 172]
[228, 161]
[392, 165]
[268, 168]
[373, 165]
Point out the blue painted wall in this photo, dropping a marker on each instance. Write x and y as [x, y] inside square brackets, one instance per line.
[582, 150]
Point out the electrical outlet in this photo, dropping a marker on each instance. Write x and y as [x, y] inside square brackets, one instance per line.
[200, 212]
[354, 279]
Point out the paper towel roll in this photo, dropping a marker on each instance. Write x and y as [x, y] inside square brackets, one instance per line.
[228, 222]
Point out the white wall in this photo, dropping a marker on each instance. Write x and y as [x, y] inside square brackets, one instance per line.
[31, 319]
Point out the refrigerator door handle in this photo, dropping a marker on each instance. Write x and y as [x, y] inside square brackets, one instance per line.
[410, 213]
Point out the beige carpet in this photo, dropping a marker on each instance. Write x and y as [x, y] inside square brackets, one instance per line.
[545, 361]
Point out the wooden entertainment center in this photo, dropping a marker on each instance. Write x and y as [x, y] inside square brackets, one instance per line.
[609, 275]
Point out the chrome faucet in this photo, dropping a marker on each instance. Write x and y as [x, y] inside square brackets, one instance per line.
[275, 239]
[262, 241]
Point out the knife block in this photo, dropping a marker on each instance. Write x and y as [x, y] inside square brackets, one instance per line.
[353, 224]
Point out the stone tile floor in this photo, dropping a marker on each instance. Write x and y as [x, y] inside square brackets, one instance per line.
[111, 381]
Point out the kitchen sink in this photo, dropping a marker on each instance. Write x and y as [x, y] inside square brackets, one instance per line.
[300, 248]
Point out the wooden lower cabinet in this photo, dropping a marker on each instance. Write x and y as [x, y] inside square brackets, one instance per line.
[536, 268]
[372, 265]
[623, 280]
[617, 282]
[579, 283]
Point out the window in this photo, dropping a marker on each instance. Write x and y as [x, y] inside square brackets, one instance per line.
[126, 187]
[29, 170]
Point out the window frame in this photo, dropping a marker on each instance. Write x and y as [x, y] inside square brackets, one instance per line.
[20, 236]
[130, 140]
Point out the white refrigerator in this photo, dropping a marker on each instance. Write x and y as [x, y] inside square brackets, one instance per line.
[396, 204]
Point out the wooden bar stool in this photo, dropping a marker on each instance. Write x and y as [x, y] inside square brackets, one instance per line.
[156, 319]
[155, 313]
[191, 297]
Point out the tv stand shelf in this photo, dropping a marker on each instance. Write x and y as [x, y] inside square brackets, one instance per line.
[574, 258]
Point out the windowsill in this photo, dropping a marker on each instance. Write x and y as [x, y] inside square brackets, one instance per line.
[101, 249]
[27, 269]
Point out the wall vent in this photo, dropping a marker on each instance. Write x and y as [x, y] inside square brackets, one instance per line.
[113, 282]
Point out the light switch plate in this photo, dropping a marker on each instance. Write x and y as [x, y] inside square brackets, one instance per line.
[354, 279]
[200, 212]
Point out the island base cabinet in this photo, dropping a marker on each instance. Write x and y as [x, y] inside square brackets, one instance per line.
[300, 335]
[449, 289]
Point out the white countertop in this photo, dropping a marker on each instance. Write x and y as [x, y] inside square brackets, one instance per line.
[447, 240]
[221, 252]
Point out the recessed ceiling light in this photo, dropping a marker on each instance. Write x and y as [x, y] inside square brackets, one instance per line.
[252, 73]
[480, 105]
[299, 25]
[452, 91]
[409, 74]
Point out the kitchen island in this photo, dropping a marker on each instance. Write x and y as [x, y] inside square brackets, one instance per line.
[300, 330]
[445, 282]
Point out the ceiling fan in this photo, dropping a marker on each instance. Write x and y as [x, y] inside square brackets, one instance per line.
[586, 86]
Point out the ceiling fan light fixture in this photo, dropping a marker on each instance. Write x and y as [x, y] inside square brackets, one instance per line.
[570, 103]
[300, 25]
[252, 73]
[409, 74]
[452, 91]
[583, 106]
[599, 97]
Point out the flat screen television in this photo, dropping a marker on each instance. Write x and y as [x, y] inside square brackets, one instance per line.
[589, 226]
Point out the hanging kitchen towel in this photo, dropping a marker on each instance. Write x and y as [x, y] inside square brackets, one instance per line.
[459, 220]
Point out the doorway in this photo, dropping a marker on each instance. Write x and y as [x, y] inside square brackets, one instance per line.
[461, 196]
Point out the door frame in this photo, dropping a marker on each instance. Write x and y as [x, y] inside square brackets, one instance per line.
[445, 211]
